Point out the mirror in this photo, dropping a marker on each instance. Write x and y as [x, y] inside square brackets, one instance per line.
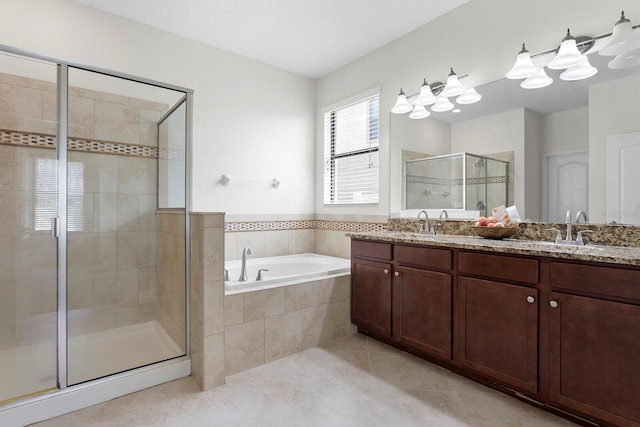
[558, 136]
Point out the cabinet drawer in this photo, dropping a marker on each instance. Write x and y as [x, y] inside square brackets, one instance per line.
[366, 249]
[595, 279]
[499, 267]
[421, 257]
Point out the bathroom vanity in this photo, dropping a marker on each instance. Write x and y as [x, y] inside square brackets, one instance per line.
[558, 326]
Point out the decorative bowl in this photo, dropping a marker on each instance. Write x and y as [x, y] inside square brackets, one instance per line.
[496, 233]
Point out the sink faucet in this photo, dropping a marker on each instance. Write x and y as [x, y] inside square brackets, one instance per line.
[426, 227]
[243, 271]
[582, 214]
[569, 236]
[445, 213]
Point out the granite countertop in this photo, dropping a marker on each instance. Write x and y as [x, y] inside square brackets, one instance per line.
[593, 253]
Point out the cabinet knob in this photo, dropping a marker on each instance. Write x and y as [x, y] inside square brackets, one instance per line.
[386, 271]
[396, 274]
[553, 303]
[531, 299]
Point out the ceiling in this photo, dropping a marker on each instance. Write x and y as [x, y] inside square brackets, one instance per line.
[310, 38]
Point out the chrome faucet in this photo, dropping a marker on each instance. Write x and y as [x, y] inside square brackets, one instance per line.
[582, 214]
[569, 236]
[426, 227]
[243, 271]
[445, 213]
[568, 240]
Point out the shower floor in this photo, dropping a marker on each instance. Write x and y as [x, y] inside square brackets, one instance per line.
[29, 369]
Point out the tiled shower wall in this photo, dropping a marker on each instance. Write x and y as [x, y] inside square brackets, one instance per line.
[112, 243]
[171, 274]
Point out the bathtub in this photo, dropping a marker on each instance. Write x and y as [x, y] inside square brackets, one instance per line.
[284, 271]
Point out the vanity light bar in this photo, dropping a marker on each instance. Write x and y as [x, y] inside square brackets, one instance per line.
[437, 95]
[571, 56]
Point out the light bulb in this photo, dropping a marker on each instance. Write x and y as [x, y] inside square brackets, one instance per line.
[442, 104]
[402, 105]
[523, 67]
[628, 60]
[568, 55]
[419, 112]
[623, 39]
[470, 96]
[537, 81]
[453, 86]
[579, 72]
[426, 97]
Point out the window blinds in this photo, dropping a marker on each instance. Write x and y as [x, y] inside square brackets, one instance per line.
[351, 158]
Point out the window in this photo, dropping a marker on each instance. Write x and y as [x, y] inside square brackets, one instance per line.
[351, 158]
[46, 194]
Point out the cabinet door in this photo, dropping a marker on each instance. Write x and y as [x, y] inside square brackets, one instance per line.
[595, 357]
[371, 296]
[498, 331]
[422, 316]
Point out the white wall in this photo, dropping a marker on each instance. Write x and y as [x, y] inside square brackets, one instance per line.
[432, 137]
[613, 109]
[565, 131]
[532, 166]
[252, 122]
[480, 39]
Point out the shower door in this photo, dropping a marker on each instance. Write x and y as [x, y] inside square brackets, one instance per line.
[28, 203]
[125, 269]
[93, 277]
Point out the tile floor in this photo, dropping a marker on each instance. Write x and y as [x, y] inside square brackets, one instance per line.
[356, 381]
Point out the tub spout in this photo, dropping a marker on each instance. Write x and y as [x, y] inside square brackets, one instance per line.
[243, 271]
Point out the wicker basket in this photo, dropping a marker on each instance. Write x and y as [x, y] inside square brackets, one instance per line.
[496, 233]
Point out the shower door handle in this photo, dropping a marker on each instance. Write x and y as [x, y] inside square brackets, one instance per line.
[55, 228]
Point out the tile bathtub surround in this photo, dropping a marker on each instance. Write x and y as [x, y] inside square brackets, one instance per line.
[275, 235]
[355, 381]
[262, 326]
[603, 234]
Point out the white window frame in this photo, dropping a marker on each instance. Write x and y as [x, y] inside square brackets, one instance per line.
[330, 198]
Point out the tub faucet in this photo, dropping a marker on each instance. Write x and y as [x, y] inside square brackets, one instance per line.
[243, 271]
[259, 276]
[445, 213]
[582, 214]
[426, 227]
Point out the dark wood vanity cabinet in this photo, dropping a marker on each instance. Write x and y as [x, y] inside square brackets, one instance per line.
[594, 342]
[371, 287]
[498, 331]
[561, 332]
[497, 320]
[371, 296]
[422, 299]
[404, 299]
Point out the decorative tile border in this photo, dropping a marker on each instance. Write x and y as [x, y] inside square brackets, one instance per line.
[441, 181]
[350, 226]
[233, 227]
[10, 137]
[268, 225]
[41, 140]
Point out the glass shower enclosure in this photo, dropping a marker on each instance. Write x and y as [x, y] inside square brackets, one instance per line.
[93, 224]
[455, 181]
